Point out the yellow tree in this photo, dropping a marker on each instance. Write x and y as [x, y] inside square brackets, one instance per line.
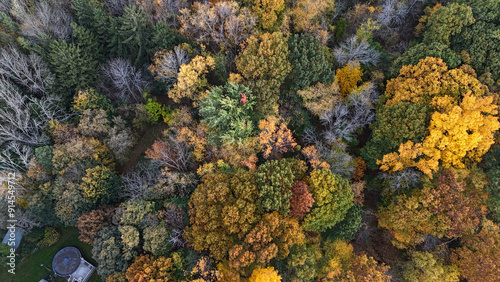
[431, 78]
[268, 12]
[192, 81]
[348, 77]
[267, 274]
[457, 136]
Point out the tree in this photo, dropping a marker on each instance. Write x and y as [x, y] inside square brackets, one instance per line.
[224, 24]
[73, 69]
[450, 208]
[107, 251]
[301, 200]
[166, 64]
[191, 80]
[348, 77]
[269, 13]
[44, 19]
[135, 211]
[124, 81]
[267, 274]
[264, 64]
[311, 16]
[420, 51]
[272, 237]
[431, 78]
[395, 125]
[320, 98]
[339, 263]
[345, 118]
[92, 100]
[222, 208]
[89, 224]
[332, 198]
[148, 268]
[100, 185]
[29, 71]
[228, 111]
[22, 119]
[348, 227]
[458, 135]
[310, 62]
[446, 22]
[156, 240]
[428, 267]
[358, 49]
[477, 258]
[275, 179]
[275, 140]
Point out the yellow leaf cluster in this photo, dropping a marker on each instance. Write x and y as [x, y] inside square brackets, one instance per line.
[320, 97]
[268, 11]
[457, 136]
[192, 79]
[267, 274]
[430, 78]
[348, 77]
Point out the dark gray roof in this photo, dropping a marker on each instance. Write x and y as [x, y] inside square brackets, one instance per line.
[66, 261]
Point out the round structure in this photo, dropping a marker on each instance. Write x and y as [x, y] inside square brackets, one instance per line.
[66, 261]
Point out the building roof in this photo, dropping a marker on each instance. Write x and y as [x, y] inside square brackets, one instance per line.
[66, 261]
[17, 236]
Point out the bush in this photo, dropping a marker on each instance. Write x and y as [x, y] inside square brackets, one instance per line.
[34, 236]
[50, 237]
[157, 111]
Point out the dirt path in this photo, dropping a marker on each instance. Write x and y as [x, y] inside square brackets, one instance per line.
[146, 139]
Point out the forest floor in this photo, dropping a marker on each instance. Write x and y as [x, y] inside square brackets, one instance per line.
[146, 139]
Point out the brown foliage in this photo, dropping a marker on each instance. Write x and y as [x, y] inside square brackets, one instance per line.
[359, 171]
[478, 258]
[275, 140]
[89, 224]
[301, 200]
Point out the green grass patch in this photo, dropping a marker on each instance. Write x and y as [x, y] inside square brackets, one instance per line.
[29, 268]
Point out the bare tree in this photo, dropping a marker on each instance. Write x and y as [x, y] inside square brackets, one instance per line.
[43, 18]
[166, 64]
[401, 181]
[123, 81]
[165, 11]
[137, 183]
[29, 71]
[355, 112]
[22, 119]
[396, 13]
[223, 24]
[356, 49]
[116, 7]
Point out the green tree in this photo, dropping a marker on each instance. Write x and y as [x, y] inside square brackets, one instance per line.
[446, 22]
[395, 125]
[310, 62]
[264, 65]
[347, 228]
[332, 199]
[89, 99]
[107, 251]
[228, 111]
[428, 267]
[100, 185]
[134, 212]
[156, 240]
[275, 179]
[73, 68]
